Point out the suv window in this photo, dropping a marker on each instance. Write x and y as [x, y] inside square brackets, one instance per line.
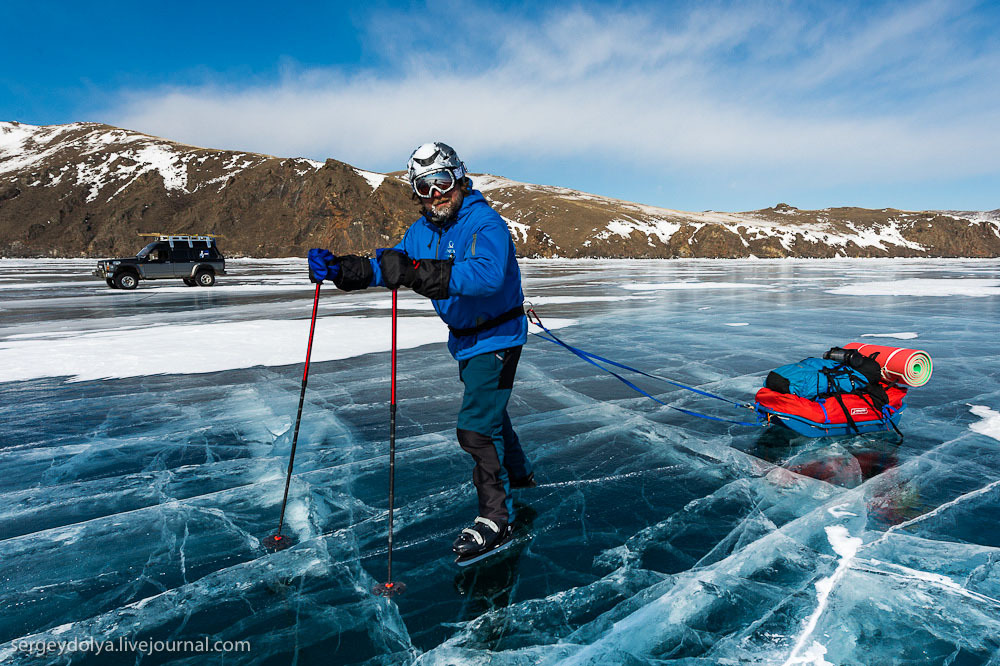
[158, 253]
[180, 252]
[200, 251]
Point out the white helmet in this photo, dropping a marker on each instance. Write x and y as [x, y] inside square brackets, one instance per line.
[431, 157]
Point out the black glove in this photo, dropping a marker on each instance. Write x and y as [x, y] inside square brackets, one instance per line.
[355, 273]
[427, 277]
[398, 269]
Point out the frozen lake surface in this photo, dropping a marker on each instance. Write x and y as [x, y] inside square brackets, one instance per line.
[145, 436]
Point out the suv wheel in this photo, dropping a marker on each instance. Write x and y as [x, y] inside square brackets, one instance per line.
[205, 278]
[190, 282]
[111, 283]
[126, 280]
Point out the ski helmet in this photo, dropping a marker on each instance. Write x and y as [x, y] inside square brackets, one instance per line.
[431, 157]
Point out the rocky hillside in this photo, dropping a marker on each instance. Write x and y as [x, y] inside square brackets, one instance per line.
[87, 189]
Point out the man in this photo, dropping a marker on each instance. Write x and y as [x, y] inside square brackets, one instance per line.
[461, 256]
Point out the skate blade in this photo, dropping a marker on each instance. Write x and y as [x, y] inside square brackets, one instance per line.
[466, 560]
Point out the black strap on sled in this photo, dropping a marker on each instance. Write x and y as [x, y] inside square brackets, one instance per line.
[847, 413]
[872, 393]
[836, 372]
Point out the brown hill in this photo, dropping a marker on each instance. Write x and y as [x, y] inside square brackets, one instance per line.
[86, 189]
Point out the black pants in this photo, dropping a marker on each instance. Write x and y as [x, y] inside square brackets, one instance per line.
[485, 430]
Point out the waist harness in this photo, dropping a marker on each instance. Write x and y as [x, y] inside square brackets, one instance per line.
[513, 313]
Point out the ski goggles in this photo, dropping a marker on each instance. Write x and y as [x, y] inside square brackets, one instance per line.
[443, 181]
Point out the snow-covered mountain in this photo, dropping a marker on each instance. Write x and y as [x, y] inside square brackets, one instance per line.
[86, 189]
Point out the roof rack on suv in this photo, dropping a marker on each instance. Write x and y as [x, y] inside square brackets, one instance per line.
[190, 238]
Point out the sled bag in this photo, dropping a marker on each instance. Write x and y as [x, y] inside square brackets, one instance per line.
[814, 377]
[832, 416]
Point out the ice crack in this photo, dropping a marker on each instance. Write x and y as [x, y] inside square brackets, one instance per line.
[846, 547]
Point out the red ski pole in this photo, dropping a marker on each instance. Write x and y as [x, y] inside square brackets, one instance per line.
[279, 541]
[390, 587]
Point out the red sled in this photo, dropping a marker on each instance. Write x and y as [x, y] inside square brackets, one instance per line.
[826, 417]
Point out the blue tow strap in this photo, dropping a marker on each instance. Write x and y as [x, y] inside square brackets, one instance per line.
[592, 358]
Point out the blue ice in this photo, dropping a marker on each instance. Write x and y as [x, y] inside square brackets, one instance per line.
[145, 437]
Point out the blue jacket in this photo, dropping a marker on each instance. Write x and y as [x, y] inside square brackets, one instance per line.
[485, 279]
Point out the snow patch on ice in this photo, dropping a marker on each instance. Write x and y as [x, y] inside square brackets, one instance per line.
[898, 336]
[671, 286]
[560, 300]
[198, 348]
[990, 423]
[843, 543]
[839, 511]
[922, 287]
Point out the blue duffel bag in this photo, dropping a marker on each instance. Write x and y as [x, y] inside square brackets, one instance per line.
[814, 377]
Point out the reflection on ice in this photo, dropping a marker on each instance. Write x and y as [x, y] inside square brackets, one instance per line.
[134, 506]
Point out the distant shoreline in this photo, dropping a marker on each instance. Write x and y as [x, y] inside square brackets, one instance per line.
[568, 260]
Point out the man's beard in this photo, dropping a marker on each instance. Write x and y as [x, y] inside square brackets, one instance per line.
[443, 215]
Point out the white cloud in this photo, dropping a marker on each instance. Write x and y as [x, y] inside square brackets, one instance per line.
[893, 95]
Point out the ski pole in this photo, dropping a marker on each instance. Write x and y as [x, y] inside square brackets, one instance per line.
[278, 541]
[391, 587]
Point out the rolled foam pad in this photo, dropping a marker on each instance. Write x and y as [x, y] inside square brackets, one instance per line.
[912, 367]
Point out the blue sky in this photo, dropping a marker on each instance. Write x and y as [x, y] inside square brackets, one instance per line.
[700, 105]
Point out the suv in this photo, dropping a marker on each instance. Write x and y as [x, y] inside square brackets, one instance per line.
[194, 259]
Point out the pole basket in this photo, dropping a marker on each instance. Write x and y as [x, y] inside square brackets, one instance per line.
[390, 589]
[273, 544]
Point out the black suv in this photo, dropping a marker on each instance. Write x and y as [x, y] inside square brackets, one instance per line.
[194, 259]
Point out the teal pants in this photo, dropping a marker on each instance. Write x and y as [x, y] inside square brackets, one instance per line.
[485, 431]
